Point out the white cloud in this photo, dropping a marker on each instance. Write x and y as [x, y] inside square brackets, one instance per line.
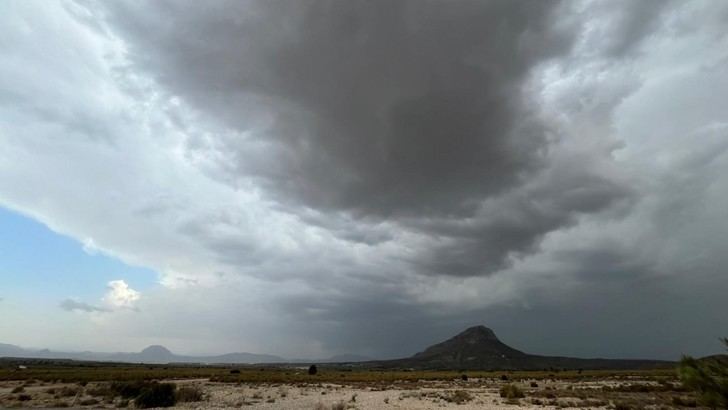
[89, 246]
[120, 295]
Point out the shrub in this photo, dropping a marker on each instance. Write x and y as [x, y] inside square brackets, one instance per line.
[102, 390]
[511, 391]
[129, 389]
[504, 377]
[534, 384]
[24, 397]
[312, 370]
[679, 401]
[708, 378]
[88, 402]
[464, 377]
[18, 389]
[156, 395]
[234, 371]
[459, 397]
[188, 394]
[67, 391]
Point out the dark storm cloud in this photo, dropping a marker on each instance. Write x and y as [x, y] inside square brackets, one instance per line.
[407, 112]
[74, 305]
[315, 177]
[379, 108]
[630, 22]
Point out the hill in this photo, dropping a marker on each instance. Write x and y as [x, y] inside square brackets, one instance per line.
[478, 348]
[152, 354]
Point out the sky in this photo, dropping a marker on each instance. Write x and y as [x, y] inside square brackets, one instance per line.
[310, 178]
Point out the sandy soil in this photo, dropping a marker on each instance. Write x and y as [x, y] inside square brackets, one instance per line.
[455, 394]
[332, 396]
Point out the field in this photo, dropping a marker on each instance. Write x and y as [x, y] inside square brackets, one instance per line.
[95, 385]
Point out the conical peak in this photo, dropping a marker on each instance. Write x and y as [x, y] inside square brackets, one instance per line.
[478, 333]
[156, 349]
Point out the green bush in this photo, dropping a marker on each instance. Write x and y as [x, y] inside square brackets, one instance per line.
[156, 395]
[67, 391]
[679, 401]
[188, 394]
[129, 390]
[88, 402]
[511, 391]
[708, 378]
[459, 397]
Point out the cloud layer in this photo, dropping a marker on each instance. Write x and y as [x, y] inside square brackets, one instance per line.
[370, 176]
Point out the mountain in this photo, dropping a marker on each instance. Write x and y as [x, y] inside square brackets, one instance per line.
[152, 354]
[156, 354]
[479, 348]
[10, 350]
[242, 358]
[476, 348]
[346, 358]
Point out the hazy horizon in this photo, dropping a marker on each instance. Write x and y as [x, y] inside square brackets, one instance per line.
[312, 178]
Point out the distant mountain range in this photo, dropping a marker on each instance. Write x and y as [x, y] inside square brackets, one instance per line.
[161, 355]
[475, 348]
[479, 348]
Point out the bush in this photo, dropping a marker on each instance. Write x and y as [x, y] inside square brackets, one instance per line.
[459, 397]
[312, 370]
[188, 394]
[464, 377]
[679, 401]
[88, 402]
[18, 389]
[102, 390]
[511, 391]
[534, 384]
[708, 378]
[130, 389]
[24, 397]
[67, 391]
[156, 395]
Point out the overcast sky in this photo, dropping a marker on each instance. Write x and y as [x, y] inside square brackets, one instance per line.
[308, 178]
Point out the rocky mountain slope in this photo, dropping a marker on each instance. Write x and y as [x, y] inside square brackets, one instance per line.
[479, 348]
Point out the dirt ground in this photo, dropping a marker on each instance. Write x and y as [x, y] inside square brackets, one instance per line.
[457, 394]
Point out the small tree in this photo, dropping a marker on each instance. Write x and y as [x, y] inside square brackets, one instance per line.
[312, 370]
[708, 377]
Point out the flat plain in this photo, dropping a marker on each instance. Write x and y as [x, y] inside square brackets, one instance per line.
[96, 385]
